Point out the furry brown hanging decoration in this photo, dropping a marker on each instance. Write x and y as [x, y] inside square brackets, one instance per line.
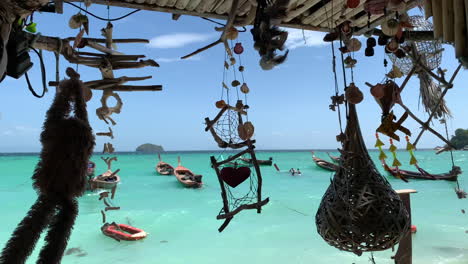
[360, 211]
[59, 177]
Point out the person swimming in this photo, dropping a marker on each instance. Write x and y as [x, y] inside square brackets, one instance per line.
[292, 171]
[298, 172]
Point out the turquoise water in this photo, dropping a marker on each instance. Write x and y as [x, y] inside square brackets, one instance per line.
[182, 223]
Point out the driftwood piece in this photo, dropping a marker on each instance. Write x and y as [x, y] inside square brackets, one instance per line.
[108, 148]
[108, 134]
[223, 38]
[107, 33]
[101, 48]
[109, 161]
[99, 40]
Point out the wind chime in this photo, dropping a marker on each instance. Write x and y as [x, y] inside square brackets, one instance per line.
[232, 129]
[360, 211]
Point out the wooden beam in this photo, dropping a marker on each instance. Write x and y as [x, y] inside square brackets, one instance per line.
[404, 253]
[58, 6]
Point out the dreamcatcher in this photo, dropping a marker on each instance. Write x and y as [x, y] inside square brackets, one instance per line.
[231, 129]
[359, 211]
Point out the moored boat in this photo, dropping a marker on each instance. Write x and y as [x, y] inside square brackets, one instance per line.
[107, 180]
[187, 178]
[123, 232]
[421, 174]
[334, 158]
[164, 168]
[324, 164]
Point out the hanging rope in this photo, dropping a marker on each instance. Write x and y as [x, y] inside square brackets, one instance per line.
[43, 76]
[101, 18]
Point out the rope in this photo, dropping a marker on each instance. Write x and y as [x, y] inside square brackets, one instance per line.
[336, 85]
[43, 75]
[101, 18]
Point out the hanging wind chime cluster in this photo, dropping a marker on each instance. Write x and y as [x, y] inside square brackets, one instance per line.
[360, 211]
[241, 184]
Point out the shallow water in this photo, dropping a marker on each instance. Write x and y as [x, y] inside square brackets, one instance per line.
[182, 223]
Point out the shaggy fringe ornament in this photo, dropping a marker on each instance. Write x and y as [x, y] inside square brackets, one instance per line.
[360, 211]
[430, 95]
[59, 177]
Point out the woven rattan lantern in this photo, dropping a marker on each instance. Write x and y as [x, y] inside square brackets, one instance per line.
[360, 211]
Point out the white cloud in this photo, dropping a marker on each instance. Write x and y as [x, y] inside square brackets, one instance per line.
[298, 39]
[178, 40]
[178, 59]
[20, 130]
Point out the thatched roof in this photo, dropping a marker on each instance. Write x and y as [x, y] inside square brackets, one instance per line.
[317, 15]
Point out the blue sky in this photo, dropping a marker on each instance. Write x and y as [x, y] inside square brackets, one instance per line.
[288, 105]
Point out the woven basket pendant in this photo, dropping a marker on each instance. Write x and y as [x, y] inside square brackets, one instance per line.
[360, 211]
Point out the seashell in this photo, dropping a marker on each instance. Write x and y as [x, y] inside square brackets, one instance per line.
[238, 49]
[232, 33]
[391, 27]
[232, 60]
[235, 83]
[354, 45]
[352, 3]
[378, 91]
[244, 88]
[394, 73]
[87, 93]
[346, 27]
[220, 104]
[353, 94]
[246, 130]
[241, 68]
[77, 20]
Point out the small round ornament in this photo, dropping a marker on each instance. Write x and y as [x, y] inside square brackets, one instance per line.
[238, 49]
[220, 104]
[244, 88]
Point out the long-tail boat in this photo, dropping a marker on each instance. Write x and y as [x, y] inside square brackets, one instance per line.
[334, 158]
[164, 168]
[324, 164]
[107, 180]
[421, 174]
[187, 177]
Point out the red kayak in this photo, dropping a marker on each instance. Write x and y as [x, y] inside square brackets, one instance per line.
[123, 232]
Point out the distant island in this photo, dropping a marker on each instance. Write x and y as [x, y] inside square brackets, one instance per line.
[149, 148]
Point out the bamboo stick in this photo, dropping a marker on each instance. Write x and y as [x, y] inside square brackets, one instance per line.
[448, 20]
[460, 30]
[427, 8]
[298, 11]
[437, 18]
[243, 207]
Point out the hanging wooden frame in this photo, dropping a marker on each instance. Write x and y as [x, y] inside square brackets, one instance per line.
[228, 211]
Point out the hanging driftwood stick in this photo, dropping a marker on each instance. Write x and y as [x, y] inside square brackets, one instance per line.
[108, 134]
[223, 38]
[108, 161]
[103, 216]
[134, 65]
[101, 48]
[107, 33]
[113, 191]
[98, 40]
[137, 88]
[112, 208]
[108, 148]
[243, 207]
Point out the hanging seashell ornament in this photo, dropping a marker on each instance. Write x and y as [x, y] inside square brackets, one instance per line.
[354, 45]
[378, 91]
[232, 60]
[78, 20]
[246, 130]
[244, 88]
[238, 49]
[352, 3]
[235, 83]
[232, 33]
[395, 73]
[390, 27]
[241, 68]
[350, 62]
[353, 94]
[220, 104]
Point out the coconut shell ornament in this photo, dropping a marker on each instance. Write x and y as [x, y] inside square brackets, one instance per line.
[220, 104]
[238, 49]
[360, 211]
[353, 94]
[353, 45]
[244, 88]
[391, 27]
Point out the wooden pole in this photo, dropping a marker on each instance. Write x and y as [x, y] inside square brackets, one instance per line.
[404, 253]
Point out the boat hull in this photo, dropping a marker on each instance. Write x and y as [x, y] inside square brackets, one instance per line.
[95, 183]
[182, 174]
[164, 168]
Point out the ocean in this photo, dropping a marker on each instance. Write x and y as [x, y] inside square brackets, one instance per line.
[182, 223]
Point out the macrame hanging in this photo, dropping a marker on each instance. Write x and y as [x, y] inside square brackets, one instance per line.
[231, 129]
[59, 177]
[429, 53]
[360, 211]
